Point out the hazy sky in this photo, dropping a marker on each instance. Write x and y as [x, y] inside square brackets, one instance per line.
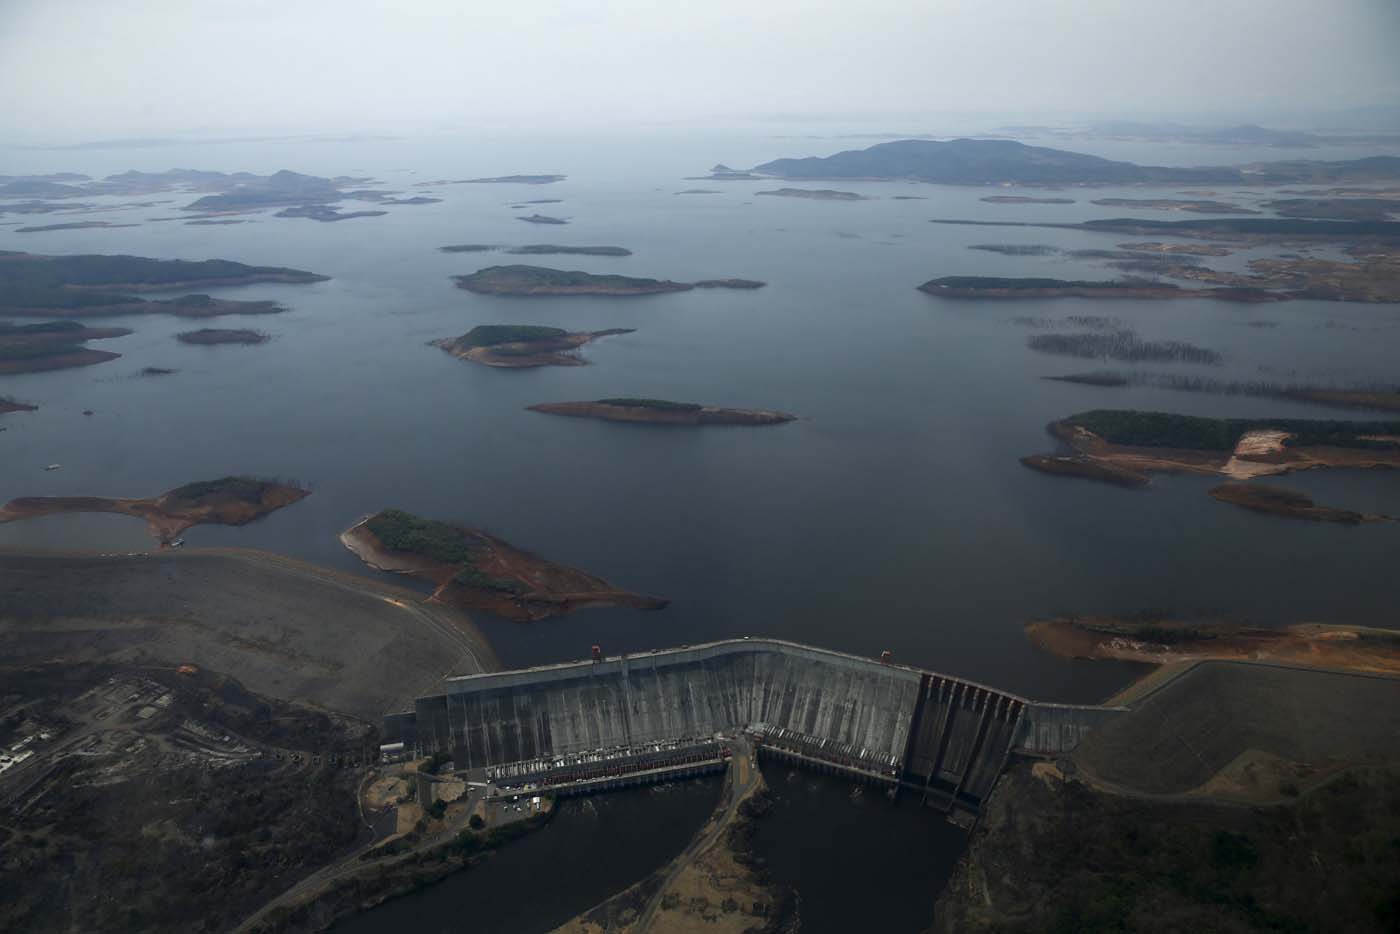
[76, 69]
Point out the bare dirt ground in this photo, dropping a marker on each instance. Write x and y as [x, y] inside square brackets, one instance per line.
[1231, 797]
[283, 628]
[1313, 645]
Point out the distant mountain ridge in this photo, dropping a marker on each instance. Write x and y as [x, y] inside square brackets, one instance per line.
[993, 161]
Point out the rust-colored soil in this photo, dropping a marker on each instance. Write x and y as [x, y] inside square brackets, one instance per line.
[541, 589]
[167, 515]
[1350, 648]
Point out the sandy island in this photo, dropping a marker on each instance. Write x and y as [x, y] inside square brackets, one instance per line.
[476, 570]
[662, 412]
[227, 501]
[1352, 648]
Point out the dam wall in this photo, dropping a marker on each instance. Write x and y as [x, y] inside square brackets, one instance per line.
[944, 738]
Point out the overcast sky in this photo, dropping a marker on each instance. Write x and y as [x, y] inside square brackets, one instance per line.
[78, 69]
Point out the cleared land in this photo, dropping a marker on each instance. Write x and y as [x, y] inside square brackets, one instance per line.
[1230, 798]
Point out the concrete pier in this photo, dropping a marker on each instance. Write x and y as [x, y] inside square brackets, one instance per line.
[611, 721]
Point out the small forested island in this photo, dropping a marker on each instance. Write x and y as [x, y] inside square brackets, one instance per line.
[1024, 199]
[517, 180]
[8, 405]
[71, 225]
[1172, 204]
[730, 284]
[815, 194]
[245, 192]
[210, 336]
[325, 214]
[540, 280]
[226, 501]
[542, 219]
[547, 249]
[477, 570]
[1040, 287]
[1278, 501]
[1125, 446]
[522, 345]
[93, 285]
[662, 412]
[52, 345]
[416, 199]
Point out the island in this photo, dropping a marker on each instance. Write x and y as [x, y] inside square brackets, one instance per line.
[522, 345]
[1003, 161]
[1341, 209]
[540, 280]
[542, 219]
[815, 194]
[8, 405]
[1278, 501]
[1125, 446]
[547, 249]
[245, 192]
[52, 345]
[325, 214]
[661, 412]
[1190, 249]
[516, 180]
[71, 225]
[417, 199]
[211, 336]
[473, 569]
[1172, 204]
[1167, 641]
[730, 284]
[95, 285]
[470, 248]
[1024, 199]
[233, 500]
[1040, 287]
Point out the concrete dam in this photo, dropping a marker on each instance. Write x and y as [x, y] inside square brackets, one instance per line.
[606, 722]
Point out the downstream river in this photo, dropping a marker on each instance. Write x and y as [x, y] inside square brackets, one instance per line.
[894, 515]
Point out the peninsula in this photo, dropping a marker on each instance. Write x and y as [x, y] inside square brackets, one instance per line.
[476, 570]
[1278, 501]
[52, 345]
[662, 412]
[94, 285]
[1126, 446]
[540, 280]
[1161, 642]
[521, 345]
[1173, 204]
[227, 501]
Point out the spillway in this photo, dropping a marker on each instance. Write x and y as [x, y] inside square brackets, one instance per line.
[941, 737]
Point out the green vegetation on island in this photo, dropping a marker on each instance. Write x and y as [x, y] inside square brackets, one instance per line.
[998, 161]
[1191, 432]
[660, 404]
[540, 280]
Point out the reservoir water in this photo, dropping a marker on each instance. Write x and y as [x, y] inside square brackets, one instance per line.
[893, 516]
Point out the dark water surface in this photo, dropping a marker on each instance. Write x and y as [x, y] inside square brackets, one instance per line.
[894, 515]
[591, 849]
